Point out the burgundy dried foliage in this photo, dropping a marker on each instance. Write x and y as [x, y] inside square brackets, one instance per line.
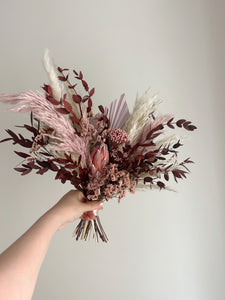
[126, 163]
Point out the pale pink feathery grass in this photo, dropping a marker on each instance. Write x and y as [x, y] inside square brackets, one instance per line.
[45, 111]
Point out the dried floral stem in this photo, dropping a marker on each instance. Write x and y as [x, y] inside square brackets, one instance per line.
[84, 229]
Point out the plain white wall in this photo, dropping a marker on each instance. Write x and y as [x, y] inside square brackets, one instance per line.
[163, 245]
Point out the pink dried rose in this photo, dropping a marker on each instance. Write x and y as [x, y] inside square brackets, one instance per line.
[99, 160]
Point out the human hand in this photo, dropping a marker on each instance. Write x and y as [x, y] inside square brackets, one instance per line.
[74, 205]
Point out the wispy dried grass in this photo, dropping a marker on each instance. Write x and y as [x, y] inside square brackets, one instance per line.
[44, 111]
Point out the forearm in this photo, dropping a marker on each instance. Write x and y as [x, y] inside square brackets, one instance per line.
[21, 262]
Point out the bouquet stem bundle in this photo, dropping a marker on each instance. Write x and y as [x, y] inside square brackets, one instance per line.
[86, 230]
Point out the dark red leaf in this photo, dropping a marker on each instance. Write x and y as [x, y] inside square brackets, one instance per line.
[81, 75]
[165, 151]
[50, 91]
[70, 166]
[43, 163]
[90, 103]
[176, 173]
[168, 167]
[24, 155]
[72, 86]
[101, 108]
[180, 122]
[60, 160]
[60, 173]
[147, 179]
[31, 129]
[64, 96]
[105, 119]
[13, 135]
[68, 157]
[22, 138]
[170, 120]
[53, 166]
[26, 172]
[32, 165]
[178, 144]
[161, 184]
[62, 78]
[170, 125]
[149, 155]
[62, 110]
[26, 143]
[186, 124]
[31, 118]
[74, 119]
[191, 127]
[46, 154]
[74, 172]
[85, 98]
[75, 72]
[53, 101]
[20, 169]
[85, 85]
[159, 127]
[153, 136]
[187, 160]
[42, 171]
[160, 157]
[166, 176]
[91, 93]
[45, 88]
[7, 139]
[77, 98]
[67, 106]
[39, 123]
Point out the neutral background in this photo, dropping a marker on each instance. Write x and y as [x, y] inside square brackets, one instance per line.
[163, 245]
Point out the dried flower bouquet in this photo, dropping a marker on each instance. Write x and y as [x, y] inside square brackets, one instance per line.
[104, 154]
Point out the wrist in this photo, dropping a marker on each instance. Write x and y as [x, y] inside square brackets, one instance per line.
[53, 219]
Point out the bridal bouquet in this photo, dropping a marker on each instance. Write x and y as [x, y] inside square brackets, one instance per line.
[102, 154]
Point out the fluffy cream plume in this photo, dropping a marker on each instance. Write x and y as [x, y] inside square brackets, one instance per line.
[58, 87]
[144, 106]
[50, 68]
[45, 111]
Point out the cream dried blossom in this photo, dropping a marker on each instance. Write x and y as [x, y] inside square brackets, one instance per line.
[58, 87]
[143, 108]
